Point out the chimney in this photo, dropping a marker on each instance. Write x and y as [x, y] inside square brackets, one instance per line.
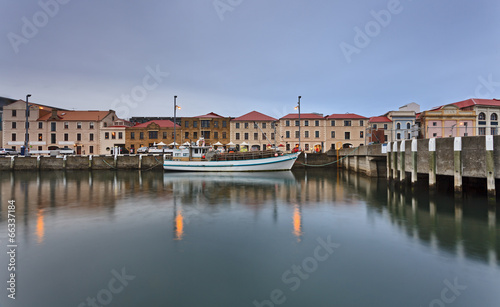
[54, 114]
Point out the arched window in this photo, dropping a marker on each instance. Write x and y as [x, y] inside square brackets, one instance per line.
[398, 126]
[408, 126]
[494, 116]
[481, 116]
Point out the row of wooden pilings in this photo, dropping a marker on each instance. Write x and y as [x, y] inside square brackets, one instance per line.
[396, 169]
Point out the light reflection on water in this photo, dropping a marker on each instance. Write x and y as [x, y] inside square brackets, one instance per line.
[181, 233]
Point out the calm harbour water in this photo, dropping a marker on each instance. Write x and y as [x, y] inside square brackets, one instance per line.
[307, 238]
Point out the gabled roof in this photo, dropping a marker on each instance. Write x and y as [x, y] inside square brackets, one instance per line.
[477, 101]
[303, 116]
[380, 119]
[210, 115]
[345, 116]
[163, 123]
[77, 115]
[254, 116]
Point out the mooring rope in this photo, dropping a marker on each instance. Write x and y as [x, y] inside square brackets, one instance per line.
[333, 162]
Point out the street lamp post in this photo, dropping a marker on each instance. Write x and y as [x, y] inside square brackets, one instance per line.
[26, 136]
[298, 107]
[175, 117]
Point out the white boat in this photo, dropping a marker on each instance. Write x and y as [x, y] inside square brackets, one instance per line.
[277, 162]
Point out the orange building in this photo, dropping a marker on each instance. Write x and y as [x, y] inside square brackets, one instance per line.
[149, 133]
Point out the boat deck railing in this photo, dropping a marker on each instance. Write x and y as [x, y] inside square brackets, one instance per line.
[244, 155]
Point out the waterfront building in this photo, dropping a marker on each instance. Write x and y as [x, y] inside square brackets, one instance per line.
[345, 130]
[404, 122]
[51, 128]
[487, 112]
[379, 129]
[446, 121]
[254, 131]
[312, 131]
[150, 133]
[212, 127]
[4, 101]
[113, 136]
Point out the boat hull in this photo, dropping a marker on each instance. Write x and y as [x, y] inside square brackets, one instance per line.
[279, 163]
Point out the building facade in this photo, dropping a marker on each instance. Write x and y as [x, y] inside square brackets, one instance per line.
[150, 133]
[379, 129]
[487, 112]
[212, 127]
[255, 131]
[113, 136]
[52, 128]
[447, 121]
[345, 130]
[311, 135]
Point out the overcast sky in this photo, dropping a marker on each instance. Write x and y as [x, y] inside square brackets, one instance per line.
[235, 56]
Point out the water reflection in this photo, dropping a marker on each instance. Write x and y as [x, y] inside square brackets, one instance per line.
[466, 228]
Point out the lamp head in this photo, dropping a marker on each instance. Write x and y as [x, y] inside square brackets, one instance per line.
[178, 107]
[29, 95]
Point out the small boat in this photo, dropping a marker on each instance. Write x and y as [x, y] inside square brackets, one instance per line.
[211, 161]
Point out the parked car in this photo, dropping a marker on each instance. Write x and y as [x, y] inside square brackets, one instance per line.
[8, 152]
[142, 150]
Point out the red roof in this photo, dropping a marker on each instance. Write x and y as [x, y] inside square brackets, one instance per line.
[303, 116]
[163, 123]
[477, 101]
[211, 115]
[254, 116]
[380, 119]
[345, 116]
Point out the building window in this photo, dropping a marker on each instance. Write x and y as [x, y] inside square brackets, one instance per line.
[113, 135]
[374, 126]
[246, 125]
[205, 124]
[141, 135]
[361, 135]
[66, 125]
[224, 124]
[332, 134]
[186, 124]
[14, 113]
[91, 149]
[316, 123]
[398, 136]
[287, 134]
[409, 136]
[78, 125]
[306, 134]
[13, 137]
[237, 125]
[40, 137]
[408, 126]
[78, 137]
[91, 137]
[91, 125]
[52, 138]
[216, 135]
[306, 147]
[347, 135]
[216, 124]
[287, 147]
[132, 135]
[306, 123]
[398, 126]
[66, 137]
[264, 125]
[385, 126]
[164, 135]
[14, 125]
[494, 116]
[246, 136]
[297, 134]
[272, 135]
[106, 135]
[481, 116]
[287, 123]
[120, 135]
[434, 134]
[297, 123]
[52, 126]
[186, 135]
[153, 135]
[316, 134]
[205, 134]
[263, 136]
[237, 135]
[40, 125]
[434, 124]
[255, 136]
[332, 123]
[255, 125]
[347, 123]
[195, 124]
[195, 135]
[361, 123]
[224, 135]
